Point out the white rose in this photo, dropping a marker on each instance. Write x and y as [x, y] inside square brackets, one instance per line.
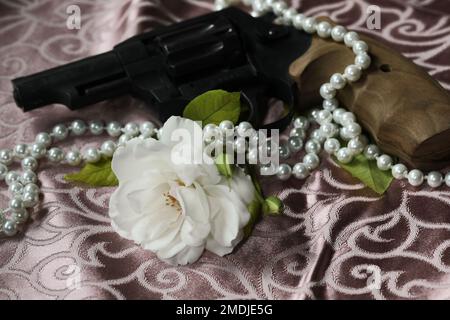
[177, 210]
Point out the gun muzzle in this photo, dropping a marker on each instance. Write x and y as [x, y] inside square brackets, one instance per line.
[75, 85]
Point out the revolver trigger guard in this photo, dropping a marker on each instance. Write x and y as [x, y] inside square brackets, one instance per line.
[282, 123]
[257, 99]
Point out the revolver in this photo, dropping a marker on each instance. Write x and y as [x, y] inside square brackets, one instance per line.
[404, 110]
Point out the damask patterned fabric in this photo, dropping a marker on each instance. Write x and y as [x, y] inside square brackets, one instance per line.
[336, 239]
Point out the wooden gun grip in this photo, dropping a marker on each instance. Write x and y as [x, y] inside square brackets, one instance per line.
[405, 110]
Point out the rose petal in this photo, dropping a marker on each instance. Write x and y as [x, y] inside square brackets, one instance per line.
[224, 216]
[215, 247]
[129, 160]
[186, 256]
[194, 204]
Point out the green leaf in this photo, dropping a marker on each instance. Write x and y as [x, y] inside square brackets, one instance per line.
[272, 206]
[254, 208]
[98, 174]
[214, 106]
[223, 165]
[368, 172]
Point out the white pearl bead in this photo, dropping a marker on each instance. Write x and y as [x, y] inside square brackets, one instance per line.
[268, 170]
[330, 104]
[55, 155]
[284, 151]
[38, 150]
[297, 132]
[16, 204]
[327, 91]
[329, 130]
[353, 129]
[226, 126]
[338, 81]
[28, 176]
[352, 73]
[324, 116]
[92, 155]
[31, 187]
[289, 14]
[363, 61]
[337, 114]
[114, 129]
[309, 25]
[312, 146]
[312, 114]
[20, 216]
[300, 171]
[398, 171]
[295, 144]
[301, 122]
[220, 5]
[9, 228]
[332, 145]
[311, 161]
[360, 47]
[447, 179]
[30, 199]
[415, 177]
[124, 139]
[434, 179]
[15, 188]
[284, 172]
[350, 38]
[12, 177]
[60, 132]
[3, 171]
[21, 151]
[338, 33]
[78, 127]
[297, 21]
[108, 148]
[243, 128]
[147, 129]
[347, 118]
[324, 29]
[384, 162]
[356, 146]
[344, 155]
[131, 129]
[44, 138]
[6, 156]
[29, 163]
[73, 158]
[96, 127]
[279, 7]
[318, 136]
[344, 134]
[371, 151]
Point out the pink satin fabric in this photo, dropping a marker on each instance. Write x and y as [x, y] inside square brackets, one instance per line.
[335, 237]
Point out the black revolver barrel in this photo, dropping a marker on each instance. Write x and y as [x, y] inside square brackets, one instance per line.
[75, 85]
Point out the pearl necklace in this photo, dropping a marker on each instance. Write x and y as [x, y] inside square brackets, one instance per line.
[333, 121]
[23, 186]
